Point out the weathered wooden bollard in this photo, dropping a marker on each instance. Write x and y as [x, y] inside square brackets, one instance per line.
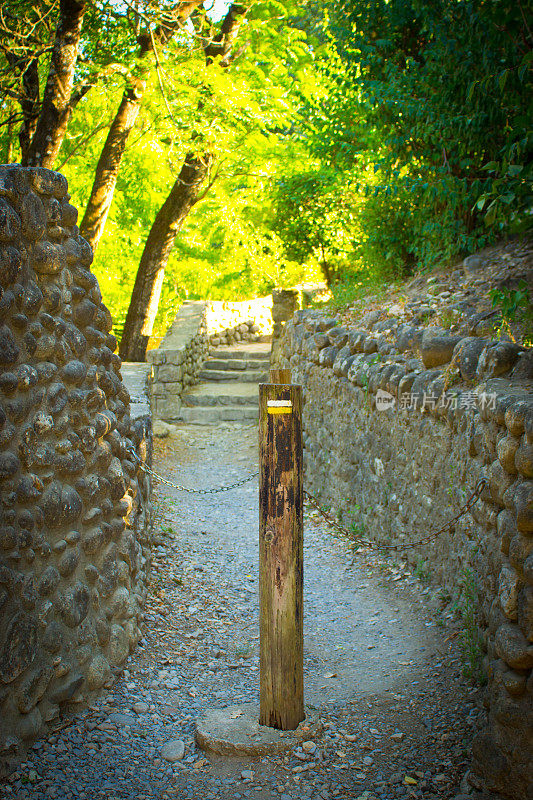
[281, 553]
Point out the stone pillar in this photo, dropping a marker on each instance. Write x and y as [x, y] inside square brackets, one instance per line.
[74, 505]
[284, 305]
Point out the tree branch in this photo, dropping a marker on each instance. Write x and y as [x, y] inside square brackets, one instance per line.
[221, 45]
[56, 109]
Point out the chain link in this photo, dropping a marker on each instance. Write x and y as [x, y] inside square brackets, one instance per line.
[472, 500]
[214, 490]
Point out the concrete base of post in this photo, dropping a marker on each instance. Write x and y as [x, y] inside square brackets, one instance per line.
[235, 731]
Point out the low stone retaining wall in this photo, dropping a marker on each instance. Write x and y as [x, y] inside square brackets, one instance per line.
[178, 359]
[396, 448]
[198, 327]
[228, 323]
[75, 507]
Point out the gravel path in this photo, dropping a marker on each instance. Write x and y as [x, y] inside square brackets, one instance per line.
[383, 671]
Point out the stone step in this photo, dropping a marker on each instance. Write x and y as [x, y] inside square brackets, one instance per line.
[216, 394]
[230, 390]
[235, 363]
[245, 376]
[208, 416]
[241, 354]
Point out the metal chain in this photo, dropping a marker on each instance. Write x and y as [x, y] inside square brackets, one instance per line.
[188, 489]
[472, 500]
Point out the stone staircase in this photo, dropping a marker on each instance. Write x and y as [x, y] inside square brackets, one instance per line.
[229, 387]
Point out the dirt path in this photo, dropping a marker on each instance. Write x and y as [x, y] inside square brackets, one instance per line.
[386, 678]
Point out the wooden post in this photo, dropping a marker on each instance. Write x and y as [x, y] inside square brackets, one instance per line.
[281, 553]
[280, 376]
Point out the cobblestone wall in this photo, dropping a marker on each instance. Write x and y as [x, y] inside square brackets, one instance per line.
[75, 510]
[394, 449]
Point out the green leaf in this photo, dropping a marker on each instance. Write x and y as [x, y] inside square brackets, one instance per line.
[507, 198]
[503, 79]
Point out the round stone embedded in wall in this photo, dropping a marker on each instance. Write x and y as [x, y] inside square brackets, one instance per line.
[506, 449]
[98, 673]
[19, 648]
[42, 423]
[48, 581]
[46, 181]
[9, 222]
[61, 505]
[73, 605]
[509, 585]
[10, 264]
[119, 645]
[69, 215]
[68, 562]
[33, 217]
[47, 258]
[524, 459]
[74, 372]
[84, 313]
[32, 688]
[512, 646]
[33, 298]
[523, 501]
[9, 465]
[9, 349]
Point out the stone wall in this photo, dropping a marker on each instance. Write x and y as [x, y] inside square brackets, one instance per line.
[400, 422]
[75, 510]
[198, 327]
[285, 302]
[247, 320]
[178, 360]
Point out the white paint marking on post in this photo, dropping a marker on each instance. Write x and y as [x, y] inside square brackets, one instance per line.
[279, 407]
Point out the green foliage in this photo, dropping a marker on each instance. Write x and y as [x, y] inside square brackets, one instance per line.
[313, 211]
[509, 301]
[242, 115]
[357, 140]
[423, 116]
[226, 248]
[515, 306]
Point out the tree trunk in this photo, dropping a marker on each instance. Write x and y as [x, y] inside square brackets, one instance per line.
[106, 175]
[30, 106]
[105, 178]
[56, 107]
[8, 150]
[222, 45]
[148, 282]
[184, 194]
[326, 272]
